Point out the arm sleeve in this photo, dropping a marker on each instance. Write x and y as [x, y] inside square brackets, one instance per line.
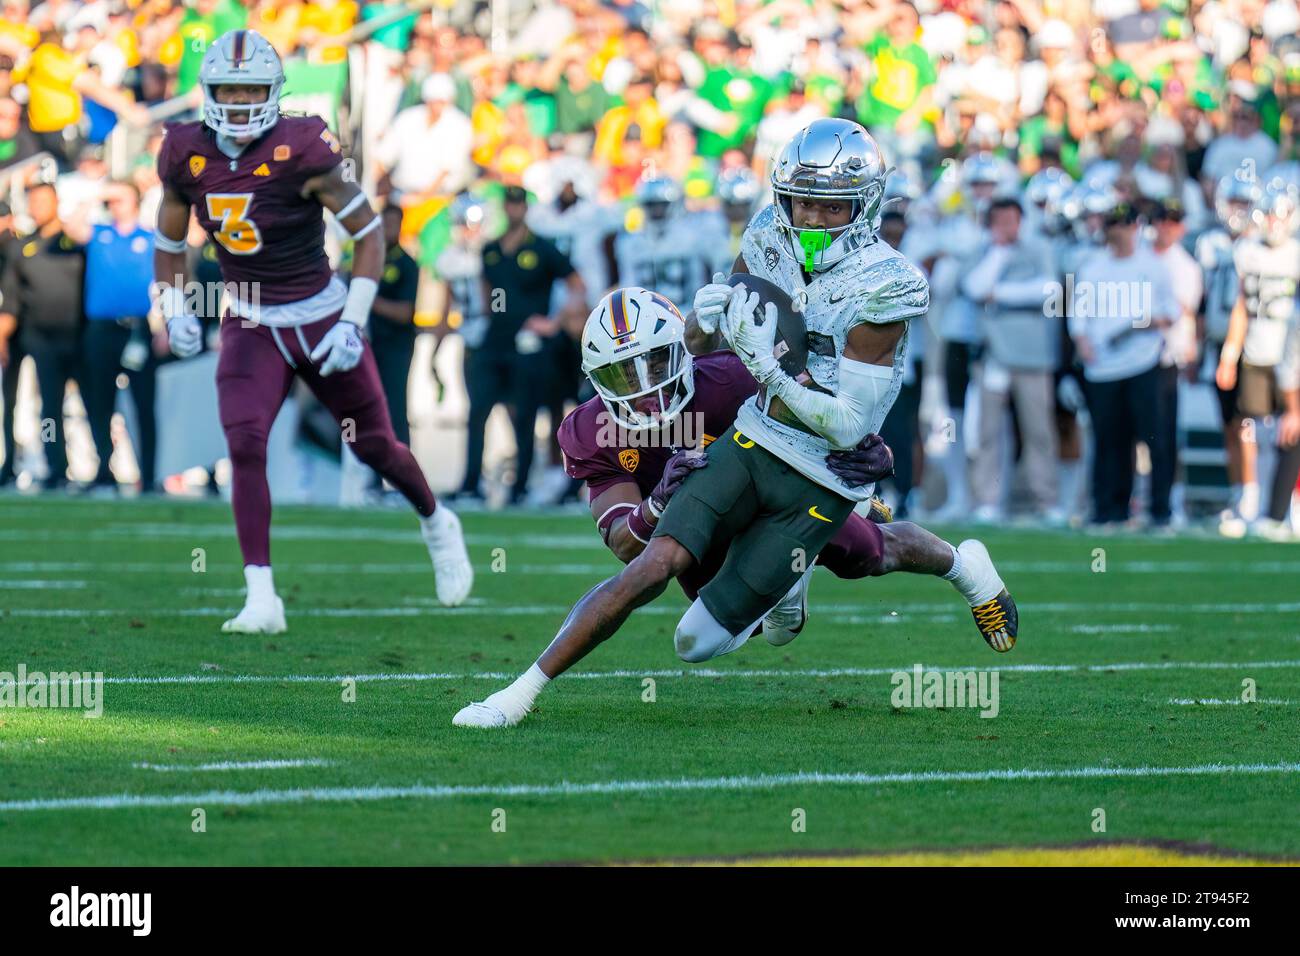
[845, 418]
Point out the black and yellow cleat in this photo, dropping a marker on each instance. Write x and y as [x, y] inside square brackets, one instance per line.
[880, 512]
[998, 621]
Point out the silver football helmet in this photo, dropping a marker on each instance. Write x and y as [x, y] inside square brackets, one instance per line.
[242, 58]
[1084, 208]
[1234, 199]
[634, 353]
[738, 189]
[1277, 212]
[660, 198]
[830, 159]
[1048, 187]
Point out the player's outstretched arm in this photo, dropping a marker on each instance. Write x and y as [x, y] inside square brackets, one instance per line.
[341, 347]
[184, 334]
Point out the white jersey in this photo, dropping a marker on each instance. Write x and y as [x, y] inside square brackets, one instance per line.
[462, 268]
[875, 284]
[1270, 276]
[1214, 254]
[576, 232]
[673, 260]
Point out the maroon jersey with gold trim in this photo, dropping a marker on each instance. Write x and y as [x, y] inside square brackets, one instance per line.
[722, 384]
[265, 230]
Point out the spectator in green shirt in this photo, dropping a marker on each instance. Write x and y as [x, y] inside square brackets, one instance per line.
[899, 91]
[200, 25]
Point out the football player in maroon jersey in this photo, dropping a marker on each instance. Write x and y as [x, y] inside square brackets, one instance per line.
[258, 183]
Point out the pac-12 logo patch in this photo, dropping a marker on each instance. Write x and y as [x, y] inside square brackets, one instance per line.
[771, 257]
[281, 153]
[629, 458]
[197, 163]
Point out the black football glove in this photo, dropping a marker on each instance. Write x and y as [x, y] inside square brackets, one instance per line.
[869, 462]
[675, 472]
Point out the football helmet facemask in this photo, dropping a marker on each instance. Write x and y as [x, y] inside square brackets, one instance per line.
[241, 58]
[830, 159]
[634, 353]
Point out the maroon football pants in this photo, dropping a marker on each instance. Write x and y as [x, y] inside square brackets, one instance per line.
[254, 373]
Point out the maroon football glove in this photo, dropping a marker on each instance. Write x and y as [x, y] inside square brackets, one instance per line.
[675, 472]
[870, 461]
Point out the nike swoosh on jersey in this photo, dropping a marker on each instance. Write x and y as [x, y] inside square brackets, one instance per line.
[820, 517]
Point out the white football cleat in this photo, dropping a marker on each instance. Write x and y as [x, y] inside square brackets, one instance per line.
[262, 617]
[453, 573]
[785, 621]
[481, 714]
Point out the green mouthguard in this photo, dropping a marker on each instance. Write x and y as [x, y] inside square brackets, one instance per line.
[813, 241]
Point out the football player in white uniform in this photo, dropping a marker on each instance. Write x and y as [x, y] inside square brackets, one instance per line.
[768, 487]
[664, 252]
[1255, 359]
[1234, 198]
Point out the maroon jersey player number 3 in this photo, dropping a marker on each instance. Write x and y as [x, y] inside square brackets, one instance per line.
[258, 182]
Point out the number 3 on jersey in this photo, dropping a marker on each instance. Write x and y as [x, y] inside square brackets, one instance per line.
[237, 233]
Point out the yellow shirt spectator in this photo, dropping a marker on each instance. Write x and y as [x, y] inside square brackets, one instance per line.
[51, 73]
[16, 37]
[613, 126]
[330, 19]
[488, 122]
[279, 23]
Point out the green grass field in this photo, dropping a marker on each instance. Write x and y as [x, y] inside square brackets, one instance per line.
[716, 766]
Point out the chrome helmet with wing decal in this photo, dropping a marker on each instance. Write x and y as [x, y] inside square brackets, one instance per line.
[660, 200]
[1277, 212]
[241, 58]
[1234, 201]
[634, 353]
[829, 159]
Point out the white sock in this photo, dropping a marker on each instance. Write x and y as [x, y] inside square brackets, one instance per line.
[960, 577]
[517, 699]
[1248, 506]
[261, 586]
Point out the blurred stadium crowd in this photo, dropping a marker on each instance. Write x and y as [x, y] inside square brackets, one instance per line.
[1098, 146]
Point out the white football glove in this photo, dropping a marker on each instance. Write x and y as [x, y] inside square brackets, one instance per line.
[341, 347]
[711, 303]
[752, 336]
[185, 336]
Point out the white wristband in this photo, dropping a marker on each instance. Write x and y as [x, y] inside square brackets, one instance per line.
[361, 296]
[166, 244]
[171, 301]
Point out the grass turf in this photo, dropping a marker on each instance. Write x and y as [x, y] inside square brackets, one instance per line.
[112, 587]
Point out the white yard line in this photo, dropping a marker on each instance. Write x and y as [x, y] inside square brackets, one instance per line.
[945, 609]
[1121, 628]
[21, 585]
[1221, 702]
[567, 789]
[704, 672]
[182, 566]
[233, 765]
